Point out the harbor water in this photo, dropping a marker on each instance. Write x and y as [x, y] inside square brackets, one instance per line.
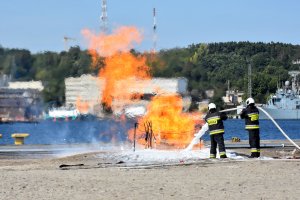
[111, 131]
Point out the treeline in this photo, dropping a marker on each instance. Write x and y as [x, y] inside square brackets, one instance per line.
[210, 66]
[206, 66]
[49, 67]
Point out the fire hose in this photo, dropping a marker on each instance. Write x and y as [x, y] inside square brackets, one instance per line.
[204, 128]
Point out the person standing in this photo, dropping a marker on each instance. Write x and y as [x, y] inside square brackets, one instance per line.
[214, 120]
[251, 116]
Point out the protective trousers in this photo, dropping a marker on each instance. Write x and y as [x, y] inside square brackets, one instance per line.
[254, 141]
[217, 139]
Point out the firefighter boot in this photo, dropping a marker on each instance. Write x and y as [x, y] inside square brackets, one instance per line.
[223, 155]
[254, 155]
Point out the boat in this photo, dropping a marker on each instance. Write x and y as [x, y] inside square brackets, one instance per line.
[62, 113]
[285, 103]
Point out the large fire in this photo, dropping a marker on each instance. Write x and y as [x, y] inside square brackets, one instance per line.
[169, 124]
[120, 64]
[124, 71]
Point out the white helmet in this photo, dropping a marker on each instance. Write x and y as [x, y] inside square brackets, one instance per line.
[212, 106]
[249, 101]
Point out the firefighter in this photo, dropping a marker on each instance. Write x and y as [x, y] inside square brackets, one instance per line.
[214, 120]
[251, 116]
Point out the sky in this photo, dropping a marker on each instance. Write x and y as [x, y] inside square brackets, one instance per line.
[40, 25]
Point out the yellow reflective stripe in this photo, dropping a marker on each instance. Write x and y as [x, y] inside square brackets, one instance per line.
[254, 150]
[215, 117]
[216, 131]
[212, 156]
[222, 153]
[252, 126]
[213, 120]
[253, 116]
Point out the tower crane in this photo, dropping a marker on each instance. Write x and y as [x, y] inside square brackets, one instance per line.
[66, 42]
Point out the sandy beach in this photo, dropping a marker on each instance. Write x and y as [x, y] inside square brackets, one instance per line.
[103, 175]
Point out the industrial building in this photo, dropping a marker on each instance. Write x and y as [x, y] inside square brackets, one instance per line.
[21, 101]
[233, 97]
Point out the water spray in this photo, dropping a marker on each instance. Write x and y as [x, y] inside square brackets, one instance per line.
[285, 135]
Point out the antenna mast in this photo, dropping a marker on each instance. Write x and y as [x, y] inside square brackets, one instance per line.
[103, 17]
[154, 31]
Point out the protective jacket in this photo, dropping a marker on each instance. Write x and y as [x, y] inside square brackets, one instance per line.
[251, 116]
[214, 120]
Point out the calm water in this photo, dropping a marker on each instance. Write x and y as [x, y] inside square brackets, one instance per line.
[48, 132]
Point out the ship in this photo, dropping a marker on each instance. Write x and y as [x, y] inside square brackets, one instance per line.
[62, 113]
[285, 103]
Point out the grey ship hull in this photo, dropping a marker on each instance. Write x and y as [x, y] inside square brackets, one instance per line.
[280, 113]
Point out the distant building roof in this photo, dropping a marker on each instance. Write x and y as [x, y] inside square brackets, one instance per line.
[26, 85]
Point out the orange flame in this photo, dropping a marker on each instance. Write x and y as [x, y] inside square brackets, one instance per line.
[82, 107]
[169, 124]
[120, 64]
[123, 74]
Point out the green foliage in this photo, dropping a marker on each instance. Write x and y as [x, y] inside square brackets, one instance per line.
[206, 66]
[210, 66]
[49, 67]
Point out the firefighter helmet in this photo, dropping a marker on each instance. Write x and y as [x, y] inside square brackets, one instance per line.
[211, 106]
[249, 101]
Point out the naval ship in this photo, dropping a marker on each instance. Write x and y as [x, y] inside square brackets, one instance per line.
[285, 103]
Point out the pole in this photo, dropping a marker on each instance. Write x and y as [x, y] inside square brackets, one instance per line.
[228, 110]
[249, 80]
[134, 136]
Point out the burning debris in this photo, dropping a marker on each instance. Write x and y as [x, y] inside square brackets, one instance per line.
[150, 137]
[169, 125]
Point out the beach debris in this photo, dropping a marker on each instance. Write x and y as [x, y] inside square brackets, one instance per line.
[235, 139]
[66, 166]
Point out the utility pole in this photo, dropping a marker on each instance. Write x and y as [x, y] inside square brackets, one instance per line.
[249, 80]
[154, 31]
[103, 17]
[228, 85]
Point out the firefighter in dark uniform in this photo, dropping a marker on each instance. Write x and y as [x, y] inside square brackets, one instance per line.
[214, 120]
[251, 116]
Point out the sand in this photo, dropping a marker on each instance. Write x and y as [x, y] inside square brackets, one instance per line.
[102, 177]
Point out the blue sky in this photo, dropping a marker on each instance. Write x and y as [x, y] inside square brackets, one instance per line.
[40, 25]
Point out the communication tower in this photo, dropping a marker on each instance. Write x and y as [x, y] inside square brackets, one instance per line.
[103, 17]
[154, 30]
